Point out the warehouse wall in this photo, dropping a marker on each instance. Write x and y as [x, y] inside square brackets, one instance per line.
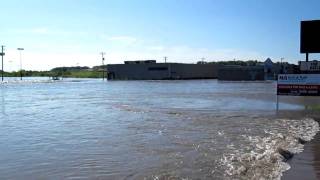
[159, 71]
[241, 73]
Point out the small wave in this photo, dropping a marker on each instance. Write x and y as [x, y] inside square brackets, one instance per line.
[267, 156]
[27, 81]
[128, 108]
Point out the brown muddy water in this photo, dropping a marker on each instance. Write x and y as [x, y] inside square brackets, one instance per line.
[203, 129]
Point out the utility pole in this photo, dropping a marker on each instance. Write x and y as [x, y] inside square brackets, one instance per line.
[281, 65]
[2, 54]
[102, 55]
[20, 49]
[165, 59]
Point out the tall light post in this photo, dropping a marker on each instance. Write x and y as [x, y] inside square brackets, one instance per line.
[2, 54]
[102, 56]
[281, 59]
[20, 50]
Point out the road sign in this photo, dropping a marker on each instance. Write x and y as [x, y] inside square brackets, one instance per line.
[298, 84]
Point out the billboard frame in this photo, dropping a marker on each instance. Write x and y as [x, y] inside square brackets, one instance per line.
[303, 40]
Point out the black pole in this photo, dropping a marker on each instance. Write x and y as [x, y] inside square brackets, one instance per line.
[20, 49]
[20, 66]
[307, 57]
[102, 56]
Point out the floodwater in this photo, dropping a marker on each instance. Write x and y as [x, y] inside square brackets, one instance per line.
[197, 129]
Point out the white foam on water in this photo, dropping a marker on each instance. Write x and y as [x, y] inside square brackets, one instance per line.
[263, 160]
[26, 81]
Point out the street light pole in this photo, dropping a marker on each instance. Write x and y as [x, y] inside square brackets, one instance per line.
[2, 54]
[102, 55]
[20, 49]
[281, 59]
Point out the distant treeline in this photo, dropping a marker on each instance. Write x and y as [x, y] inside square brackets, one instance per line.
[27, 73]
[96, 71]
[238, 62]
[65, 69]
[234, 62]
[75, 72]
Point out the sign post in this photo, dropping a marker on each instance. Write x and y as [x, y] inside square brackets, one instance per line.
[277, 106]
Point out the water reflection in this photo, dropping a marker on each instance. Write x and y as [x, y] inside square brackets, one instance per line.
[3, 102]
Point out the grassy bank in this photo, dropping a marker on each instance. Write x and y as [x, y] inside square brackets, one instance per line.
[66, 73]
[83, 74]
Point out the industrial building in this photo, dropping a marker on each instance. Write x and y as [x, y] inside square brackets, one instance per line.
[310, 67]
[150, 70]
[241, 73]
[263, 71]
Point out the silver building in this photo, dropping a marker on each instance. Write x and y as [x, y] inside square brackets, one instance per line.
[150, 70]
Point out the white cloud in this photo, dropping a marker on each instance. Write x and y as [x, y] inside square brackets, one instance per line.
[122, 40]
[36, 59]
[42, 30]
[189, 54]
[36, 30]
[182, 54]
[32, 60]
[48, 61]
[49, 31]
[156, 48]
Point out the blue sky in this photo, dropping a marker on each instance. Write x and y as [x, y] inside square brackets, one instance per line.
[73, 32]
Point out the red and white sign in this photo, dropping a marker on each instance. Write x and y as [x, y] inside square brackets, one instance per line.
[299, 84]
